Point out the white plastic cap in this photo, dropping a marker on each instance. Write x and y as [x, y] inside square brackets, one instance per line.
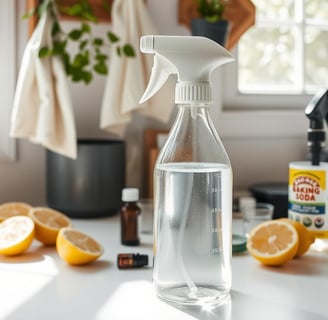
[130, 194]
[194, 92]
[247, 202]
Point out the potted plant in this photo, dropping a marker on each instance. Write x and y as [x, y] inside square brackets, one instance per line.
[211, 23]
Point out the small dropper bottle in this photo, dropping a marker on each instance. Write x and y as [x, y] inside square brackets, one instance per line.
[129, 217]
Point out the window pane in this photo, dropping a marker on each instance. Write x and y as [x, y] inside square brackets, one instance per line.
[266, 59]
[274, 9]
[287, 50]
[316, 9]
[316, 54]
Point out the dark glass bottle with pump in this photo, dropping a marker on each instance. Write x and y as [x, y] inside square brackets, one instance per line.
[129, 217]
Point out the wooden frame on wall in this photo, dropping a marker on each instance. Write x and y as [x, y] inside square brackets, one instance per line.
[97, 7]
[240, 14]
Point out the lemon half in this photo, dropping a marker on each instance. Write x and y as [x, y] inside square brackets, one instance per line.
[16, 235]
[11, 209]
[76, 248]
[48, 222]
[273, 242]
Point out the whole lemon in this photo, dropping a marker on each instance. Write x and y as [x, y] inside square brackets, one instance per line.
[305, 236]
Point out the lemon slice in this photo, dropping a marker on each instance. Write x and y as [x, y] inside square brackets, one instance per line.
[16, 235]
[76, 247]
[48, 222]
[11, 209]
[273, 242]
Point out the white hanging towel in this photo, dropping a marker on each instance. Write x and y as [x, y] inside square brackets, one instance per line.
[128, 77]
[42, 110]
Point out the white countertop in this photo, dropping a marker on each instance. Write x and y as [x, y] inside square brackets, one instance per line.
[39, 285]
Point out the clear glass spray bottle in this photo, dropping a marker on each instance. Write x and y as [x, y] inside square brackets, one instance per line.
[192, 178]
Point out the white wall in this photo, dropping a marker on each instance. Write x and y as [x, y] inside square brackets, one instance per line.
[254, 158]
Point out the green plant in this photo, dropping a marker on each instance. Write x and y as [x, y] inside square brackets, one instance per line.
[211, 10]
[91, 55]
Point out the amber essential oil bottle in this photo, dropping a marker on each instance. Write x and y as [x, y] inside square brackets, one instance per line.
[129, 217]
[131, 260]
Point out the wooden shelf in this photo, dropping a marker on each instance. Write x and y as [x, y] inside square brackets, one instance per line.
[97, 7]
[240, 13]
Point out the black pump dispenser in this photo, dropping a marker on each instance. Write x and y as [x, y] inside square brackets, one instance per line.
[317, 111]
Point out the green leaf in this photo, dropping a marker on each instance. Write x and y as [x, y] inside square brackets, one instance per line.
[76, 74]
[66, 60]
[98, 42]
[101, 57]
[211, 10]
[55, 28]
[59, 47]
[45, 52]
[79, 74]
[213, 18]
[73, 10]
[128, 50]
[83, 44]
[112, 37]
[118, 51]
[87, 77]
[80, 61]
[85, 28]
[75, 34]
[101, 68]
[30, 13]
[89, 16]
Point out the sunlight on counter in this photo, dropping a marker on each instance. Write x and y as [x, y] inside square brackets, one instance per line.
[142, 303]
[20, 281]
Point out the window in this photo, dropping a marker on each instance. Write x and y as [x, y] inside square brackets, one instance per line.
[283, 59]
[7, 76]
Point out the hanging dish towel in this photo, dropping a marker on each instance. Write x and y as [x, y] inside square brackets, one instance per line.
[42, 110]
[128, 77]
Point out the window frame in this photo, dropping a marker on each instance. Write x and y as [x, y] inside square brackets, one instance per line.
[235, 99]
[234, 121]
[7, 76]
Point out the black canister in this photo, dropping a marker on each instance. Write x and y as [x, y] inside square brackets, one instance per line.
[91, 185]
[216, 31]
[275, 193]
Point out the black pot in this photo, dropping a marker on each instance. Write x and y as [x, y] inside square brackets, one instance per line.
[91, 185]
[216, 31]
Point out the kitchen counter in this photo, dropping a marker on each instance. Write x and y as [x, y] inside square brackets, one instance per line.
[39, 285]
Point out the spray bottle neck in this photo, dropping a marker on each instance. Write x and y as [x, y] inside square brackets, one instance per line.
[193, 93]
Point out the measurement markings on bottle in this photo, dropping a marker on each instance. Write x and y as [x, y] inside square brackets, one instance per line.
[215, 210]
[216, 250]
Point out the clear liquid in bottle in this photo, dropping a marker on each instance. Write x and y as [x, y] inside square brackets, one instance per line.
[193, 232]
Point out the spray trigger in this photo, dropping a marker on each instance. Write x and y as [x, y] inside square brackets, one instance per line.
[162, 69]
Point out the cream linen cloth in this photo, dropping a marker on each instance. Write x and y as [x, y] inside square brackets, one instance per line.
[128, 77]
[42, 110]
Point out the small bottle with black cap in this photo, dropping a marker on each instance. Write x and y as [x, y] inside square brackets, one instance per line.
[131, 260]
[129, 217]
